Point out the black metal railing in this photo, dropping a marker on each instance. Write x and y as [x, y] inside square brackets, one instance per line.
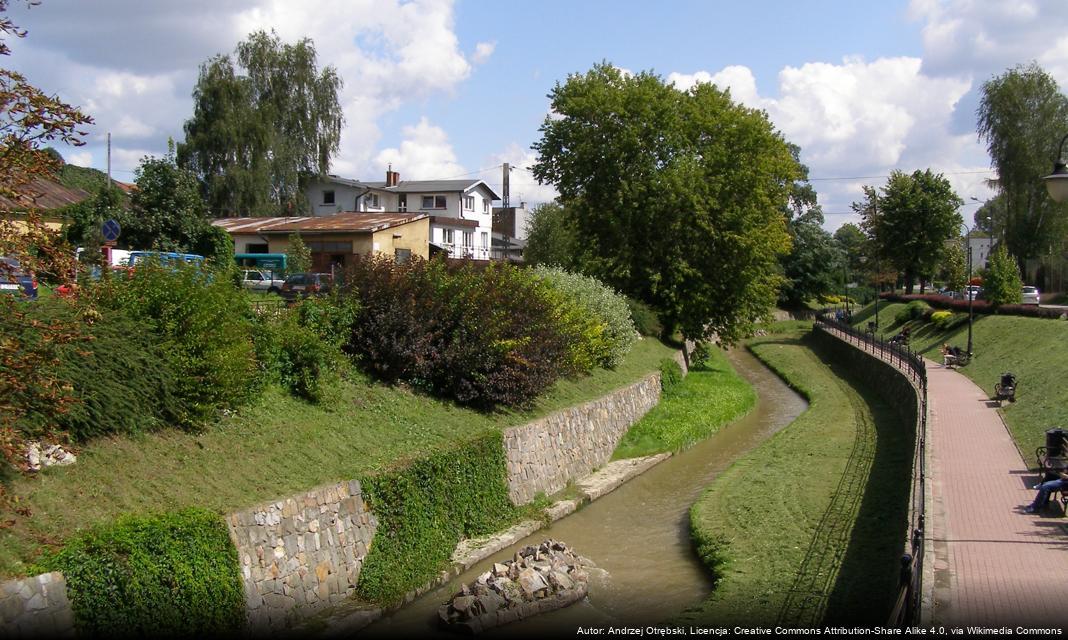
[906, 609]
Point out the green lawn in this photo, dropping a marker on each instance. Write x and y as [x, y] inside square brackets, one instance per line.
[706, 399]
[274, 448]
[820, 508]
[1035, 349]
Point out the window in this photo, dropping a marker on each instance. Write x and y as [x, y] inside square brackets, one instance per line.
[485, 241]
[433, 202]
[372, 200]
[469, 239]
[485, 206]
[328, 197]
[469, 203]
[402, 202]
[448, 237]
[256, 248]
[400, 256]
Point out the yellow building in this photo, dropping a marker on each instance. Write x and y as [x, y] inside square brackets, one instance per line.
[333, 240]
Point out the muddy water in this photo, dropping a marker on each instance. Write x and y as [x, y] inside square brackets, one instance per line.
[638, 535]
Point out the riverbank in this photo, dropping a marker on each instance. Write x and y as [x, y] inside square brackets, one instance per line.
[808, 527]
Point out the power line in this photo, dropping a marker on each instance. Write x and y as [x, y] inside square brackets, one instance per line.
[948, 173]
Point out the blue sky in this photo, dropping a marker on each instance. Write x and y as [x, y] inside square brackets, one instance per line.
[442, 88]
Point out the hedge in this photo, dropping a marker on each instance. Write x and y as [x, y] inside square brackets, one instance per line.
[426, 507]
[978, 306]
[170, 574]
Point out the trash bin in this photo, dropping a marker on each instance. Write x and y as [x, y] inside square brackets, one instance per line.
[1055, 441]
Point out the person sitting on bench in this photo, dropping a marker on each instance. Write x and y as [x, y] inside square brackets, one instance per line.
[1045, 489]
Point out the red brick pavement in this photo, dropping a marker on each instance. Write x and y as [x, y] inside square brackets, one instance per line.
[987, 563]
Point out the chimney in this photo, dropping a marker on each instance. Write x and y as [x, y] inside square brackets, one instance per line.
[392, 177]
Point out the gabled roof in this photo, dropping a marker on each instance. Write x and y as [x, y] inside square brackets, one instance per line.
[45, 194]
[417, 186]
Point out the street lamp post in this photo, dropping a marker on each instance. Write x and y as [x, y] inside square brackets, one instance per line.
[968, 287]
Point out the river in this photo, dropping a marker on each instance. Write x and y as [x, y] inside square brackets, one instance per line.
[638, 535]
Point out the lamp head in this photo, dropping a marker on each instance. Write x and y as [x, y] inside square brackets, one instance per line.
[1057, 182]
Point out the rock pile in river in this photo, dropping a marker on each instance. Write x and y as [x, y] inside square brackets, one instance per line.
[538, 579]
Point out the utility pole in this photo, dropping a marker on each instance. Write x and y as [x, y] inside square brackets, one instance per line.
[109, 160]
[504, 185]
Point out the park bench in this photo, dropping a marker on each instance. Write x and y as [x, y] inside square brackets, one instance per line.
[1053, 460]
[955, 357]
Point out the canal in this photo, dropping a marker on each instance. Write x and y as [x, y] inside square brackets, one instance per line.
[638, 535]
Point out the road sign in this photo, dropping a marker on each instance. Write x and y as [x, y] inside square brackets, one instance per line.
[111, 230]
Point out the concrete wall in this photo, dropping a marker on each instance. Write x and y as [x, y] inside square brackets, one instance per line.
[302, 553]
[35, 607]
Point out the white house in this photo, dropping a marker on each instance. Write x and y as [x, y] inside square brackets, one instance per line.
[461, 211]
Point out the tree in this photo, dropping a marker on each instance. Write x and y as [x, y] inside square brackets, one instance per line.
[255, 138]
[911, 222]
[168, 212]
[1022, 117]
[86, 220]
[551, 237]
[28, 119]
[677, 196]
[299, 260]
[854, 246]
[814, 265]
[1002, 284]
[954, 266]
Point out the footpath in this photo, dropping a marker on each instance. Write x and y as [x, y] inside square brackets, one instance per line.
[987, 563]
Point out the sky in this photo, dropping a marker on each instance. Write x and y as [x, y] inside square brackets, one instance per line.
[450, 89]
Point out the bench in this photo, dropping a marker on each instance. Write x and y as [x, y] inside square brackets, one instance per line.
[1050, 466]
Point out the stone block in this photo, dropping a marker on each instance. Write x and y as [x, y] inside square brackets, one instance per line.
[279, 601]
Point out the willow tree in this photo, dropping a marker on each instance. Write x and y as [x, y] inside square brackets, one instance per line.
[677, 196]
[1022, 117]
[262, 126]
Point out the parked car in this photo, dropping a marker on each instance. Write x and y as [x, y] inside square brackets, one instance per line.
[254, 280]
[970, 292]
[15, 281]
[302, 285]
[1029, 295]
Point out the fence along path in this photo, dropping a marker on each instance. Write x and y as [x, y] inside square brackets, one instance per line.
[987, 563]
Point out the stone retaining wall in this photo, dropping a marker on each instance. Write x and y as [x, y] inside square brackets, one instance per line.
[544, 455]
[35, 607]
[302, 553]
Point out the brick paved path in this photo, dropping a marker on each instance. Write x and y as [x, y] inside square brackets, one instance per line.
[986, 562]
[993, 565]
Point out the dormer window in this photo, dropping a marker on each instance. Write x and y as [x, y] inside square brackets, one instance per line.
[433, 202]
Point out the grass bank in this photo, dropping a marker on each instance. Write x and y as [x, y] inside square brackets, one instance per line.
[820, 508]
[1035, 349]
[711, 396]
[277, 447]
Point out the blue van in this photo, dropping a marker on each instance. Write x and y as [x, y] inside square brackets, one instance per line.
[164, 257]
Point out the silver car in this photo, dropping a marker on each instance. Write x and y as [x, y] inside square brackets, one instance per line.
[1030, 295]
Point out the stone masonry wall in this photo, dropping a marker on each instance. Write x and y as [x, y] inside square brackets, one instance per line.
[301, 553]
[545, 454]
[35, 607]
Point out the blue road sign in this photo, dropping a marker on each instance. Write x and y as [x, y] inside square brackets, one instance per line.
[111, 230]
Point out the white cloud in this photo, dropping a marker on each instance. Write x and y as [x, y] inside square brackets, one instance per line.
[483, 51]
[738, 79]
[424, 154]
[81, 159]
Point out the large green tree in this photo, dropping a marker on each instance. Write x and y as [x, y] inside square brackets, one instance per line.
[262, 126]
[910, 222]
[814, 264]
[1022, 117]
[168, 211]
[677, 197]
[854, 246]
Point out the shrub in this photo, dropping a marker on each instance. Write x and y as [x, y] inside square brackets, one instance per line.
[118, 373]
[644, 318]
[670, 373]
[701, 356]
[607, 331]
[1002, 284]
[425, 508]
[484, 337]
[941, 319]
[915, 310]
[205, 328]
[173, 574]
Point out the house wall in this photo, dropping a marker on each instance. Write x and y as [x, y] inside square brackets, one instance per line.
[344, 198]
[243, 240]
[414, 236]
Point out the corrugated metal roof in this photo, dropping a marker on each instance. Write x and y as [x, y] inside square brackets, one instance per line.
[253, 225]
[351, 222]
[44, 194]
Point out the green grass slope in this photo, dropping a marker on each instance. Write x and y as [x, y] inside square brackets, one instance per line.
[277, 447]
[820, 508]
[1035, 349]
